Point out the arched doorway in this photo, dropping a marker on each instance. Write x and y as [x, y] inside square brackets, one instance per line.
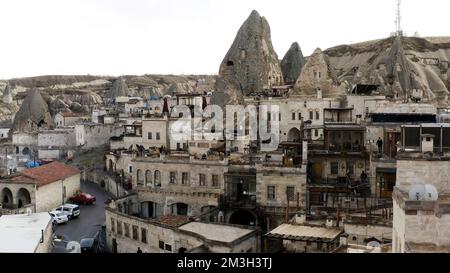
[243, 217]
[23, 197]
[26, 151]
[294, 135]
[7, 198]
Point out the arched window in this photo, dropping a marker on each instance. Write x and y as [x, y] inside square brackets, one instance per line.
[139, 178]
[157, 178]
[148, 178]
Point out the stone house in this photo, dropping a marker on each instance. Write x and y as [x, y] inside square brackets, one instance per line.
[176, 234]
[42, 188]
[90, 135]
[64, 119]
[421, 198]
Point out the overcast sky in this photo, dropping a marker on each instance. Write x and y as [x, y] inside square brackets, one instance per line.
[115, 37]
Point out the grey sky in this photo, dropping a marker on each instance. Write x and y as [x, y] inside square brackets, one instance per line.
[114, 37]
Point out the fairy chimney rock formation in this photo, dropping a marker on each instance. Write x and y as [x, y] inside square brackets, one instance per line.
[251, 63]
[7, 95]
[316, 75]
[119, 88]
[292, 64]
[33, 114]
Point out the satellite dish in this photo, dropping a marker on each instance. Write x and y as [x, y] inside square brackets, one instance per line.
[373, 244]
[417, 192]
[431, 193]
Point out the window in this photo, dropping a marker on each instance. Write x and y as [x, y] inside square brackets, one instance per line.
[215, 180]
[299, 116]
[334, 168]
[157, 178]
[317, 115]
[290, 192]
[135, 233]
[149, 135]
[113, 225]
[143, 235]
[293, 116]
[158, 136]
[279, 116]
[178, 146]
[271, 192]
[140, 177]
[311, 115]
[148, 177]
[185, 178]
[350, 167]
[202, 179]
[126, 228]
[161, 245]
[119, 228]
[130, 169]
[168, 247]
[173, 178]
[316, 132]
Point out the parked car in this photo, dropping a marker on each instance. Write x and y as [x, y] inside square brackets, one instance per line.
[89, 245]
[71, 210]
[83, 198]
[59, 217]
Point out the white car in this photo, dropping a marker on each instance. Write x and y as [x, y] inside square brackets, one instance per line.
[71, 210]
[58, 217]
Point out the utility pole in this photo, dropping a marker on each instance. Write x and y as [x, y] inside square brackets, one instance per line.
[398, 19]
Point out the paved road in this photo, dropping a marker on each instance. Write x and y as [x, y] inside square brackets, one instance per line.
[91, 219]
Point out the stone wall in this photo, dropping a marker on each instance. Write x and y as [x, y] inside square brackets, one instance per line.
[434, 172]
[281, 178]
[192, 193]
[170, 236]
[50, 196]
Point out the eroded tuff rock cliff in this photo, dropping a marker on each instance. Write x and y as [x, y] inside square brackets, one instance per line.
[83, 93]
[251, 62]
[400, 65]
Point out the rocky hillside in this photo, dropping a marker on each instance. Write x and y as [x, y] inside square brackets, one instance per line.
[83, 93]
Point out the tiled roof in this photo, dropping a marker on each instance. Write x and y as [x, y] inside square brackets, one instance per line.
[49, 173]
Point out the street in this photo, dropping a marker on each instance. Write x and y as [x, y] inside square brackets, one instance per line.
[88, 224]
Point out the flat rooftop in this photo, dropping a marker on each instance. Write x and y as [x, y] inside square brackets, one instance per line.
[22, 233]
[215, 232]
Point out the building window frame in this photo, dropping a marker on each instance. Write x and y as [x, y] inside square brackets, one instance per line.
[271, 193]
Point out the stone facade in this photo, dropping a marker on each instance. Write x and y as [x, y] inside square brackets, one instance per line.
[90, 135]
[168, 182]
[155, 237]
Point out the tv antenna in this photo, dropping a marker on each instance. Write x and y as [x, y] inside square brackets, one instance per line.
[398, 19]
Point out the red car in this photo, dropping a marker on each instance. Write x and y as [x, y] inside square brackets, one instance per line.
[83, 198]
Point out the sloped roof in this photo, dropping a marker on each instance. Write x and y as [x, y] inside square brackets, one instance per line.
[50, 173]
